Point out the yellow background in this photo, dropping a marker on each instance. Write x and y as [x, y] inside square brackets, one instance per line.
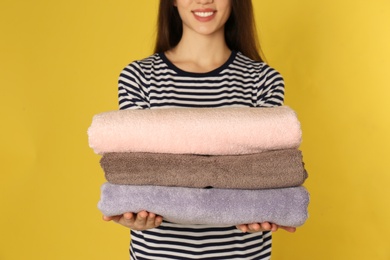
[60, 61]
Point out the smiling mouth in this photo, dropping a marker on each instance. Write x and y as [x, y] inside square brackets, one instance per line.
[204, 14]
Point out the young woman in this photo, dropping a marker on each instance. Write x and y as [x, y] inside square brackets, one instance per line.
[206, 55]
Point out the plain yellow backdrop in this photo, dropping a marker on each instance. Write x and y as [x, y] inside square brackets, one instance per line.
[60, 61]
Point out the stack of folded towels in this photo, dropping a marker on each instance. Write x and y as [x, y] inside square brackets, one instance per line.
[216, 166]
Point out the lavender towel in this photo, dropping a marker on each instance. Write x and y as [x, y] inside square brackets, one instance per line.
[272, 169]
[286, 207]
[212, 131]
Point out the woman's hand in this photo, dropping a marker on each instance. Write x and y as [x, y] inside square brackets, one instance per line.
[265, 226]
[141, 221]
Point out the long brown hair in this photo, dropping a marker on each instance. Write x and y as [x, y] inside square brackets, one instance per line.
[240, 29]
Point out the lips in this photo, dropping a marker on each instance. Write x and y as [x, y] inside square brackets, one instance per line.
[204, 15]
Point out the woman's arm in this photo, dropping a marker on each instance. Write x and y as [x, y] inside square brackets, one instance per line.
[270, 94]
[132, 94]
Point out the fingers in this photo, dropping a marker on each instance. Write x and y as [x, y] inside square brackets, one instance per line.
[274, 228]
[155, 220]
[107, 218]
[265, 226]
[146, 220]
[127, 219]
[113, 218]
[269, 226]
[243, 228]
[141, 221]
[254, 227]
[288, 229]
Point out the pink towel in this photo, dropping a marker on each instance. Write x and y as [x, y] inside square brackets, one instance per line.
[211, 131]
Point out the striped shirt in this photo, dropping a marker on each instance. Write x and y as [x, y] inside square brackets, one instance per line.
[155, 82]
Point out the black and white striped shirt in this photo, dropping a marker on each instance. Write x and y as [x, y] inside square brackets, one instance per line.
[155, 82]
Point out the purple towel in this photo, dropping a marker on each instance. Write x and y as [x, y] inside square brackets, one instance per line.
[286, 206]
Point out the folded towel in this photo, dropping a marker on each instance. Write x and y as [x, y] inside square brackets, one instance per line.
[286, 207]
[212, 131]
[271, 169]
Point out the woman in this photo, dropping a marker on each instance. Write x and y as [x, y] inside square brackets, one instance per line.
[206, 55]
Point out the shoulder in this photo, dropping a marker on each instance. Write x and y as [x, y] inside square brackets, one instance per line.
[147, 63]
[145, 68]
[261, 68]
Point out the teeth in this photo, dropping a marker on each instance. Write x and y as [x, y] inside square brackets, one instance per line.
[204, 14]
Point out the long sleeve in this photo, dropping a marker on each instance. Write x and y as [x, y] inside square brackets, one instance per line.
[272, 91]
[132, 88]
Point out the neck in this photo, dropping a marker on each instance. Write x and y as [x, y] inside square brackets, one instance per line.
[197, 52]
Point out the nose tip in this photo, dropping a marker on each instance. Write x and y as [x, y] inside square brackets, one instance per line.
[205, 1]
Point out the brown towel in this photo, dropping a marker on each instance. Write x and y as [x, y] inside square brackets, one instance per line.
[272, 169]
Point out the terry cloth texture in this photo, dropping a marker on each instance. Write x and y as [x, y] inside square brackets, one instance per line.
[211, 131]
[270, 169]
[286, 207]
